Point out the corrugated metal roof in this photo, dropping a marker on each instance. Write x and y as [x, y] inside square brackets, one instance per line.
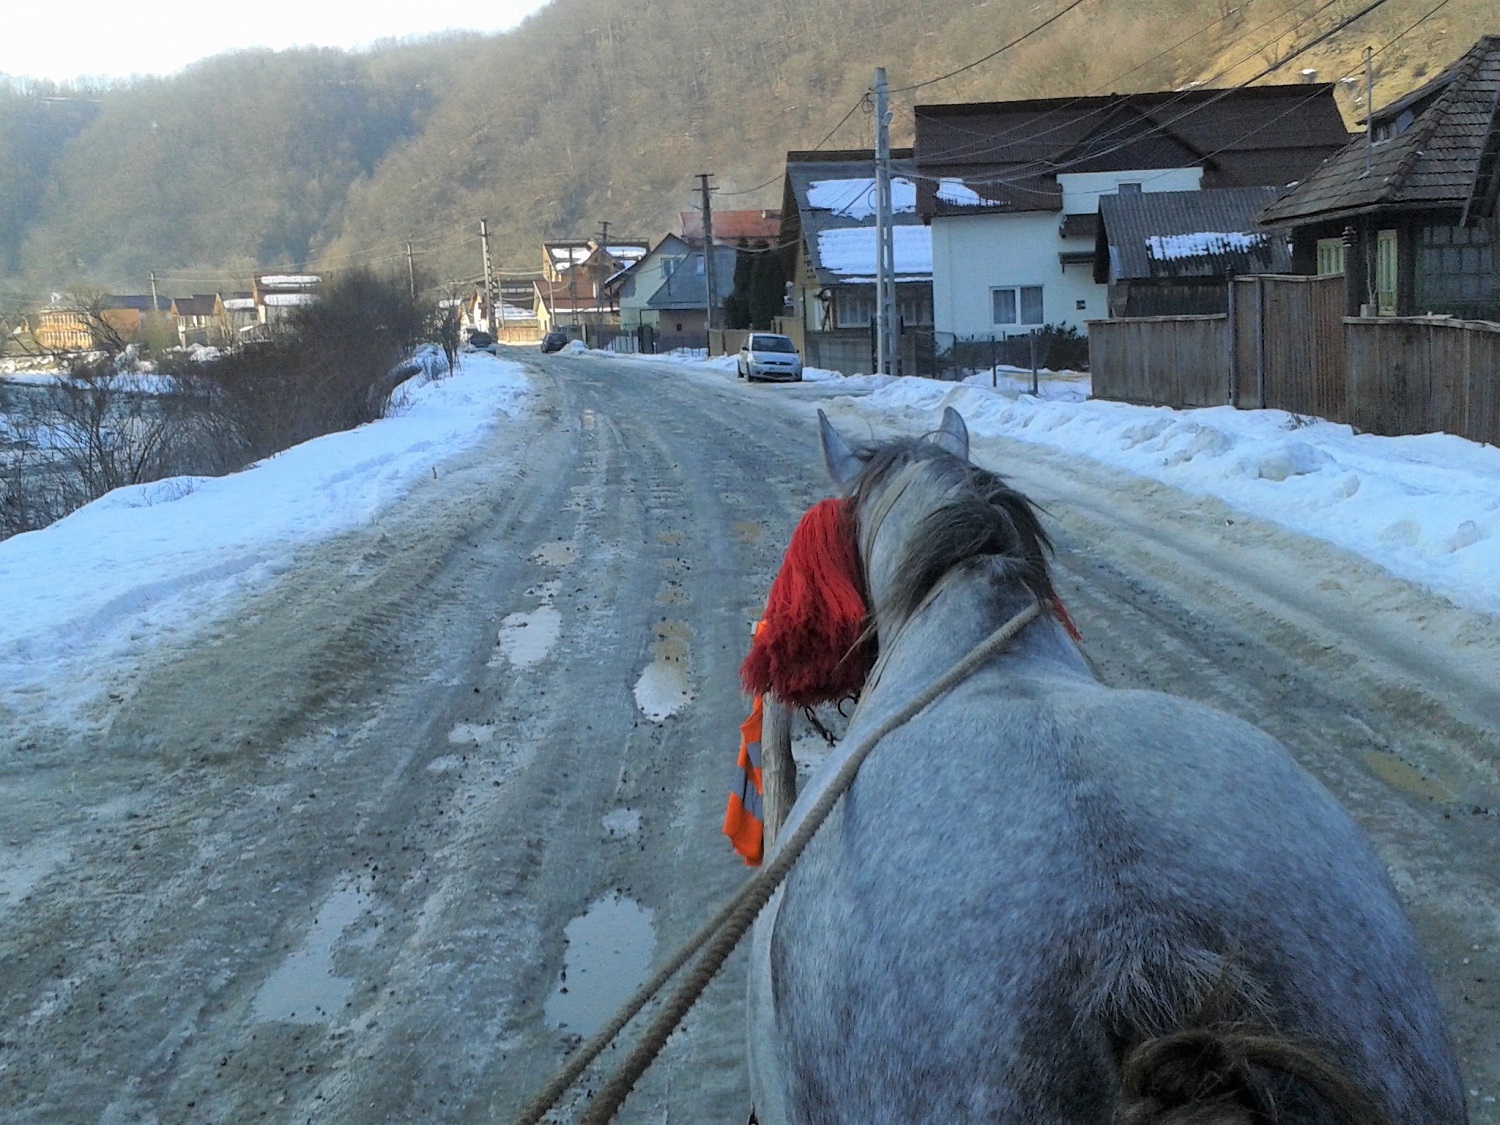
[1009, 154]
[1435, 160]
[1209, 233]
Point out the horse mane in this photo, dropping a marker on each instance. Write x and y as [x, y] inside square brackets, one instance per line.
[982, 517]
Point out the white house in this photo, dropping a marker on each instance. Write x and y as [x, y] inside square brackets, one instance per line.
[1011, 190]
[633, 287]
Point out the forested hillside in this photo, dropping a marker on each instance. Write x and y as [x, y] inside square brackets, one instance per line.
[590, 111]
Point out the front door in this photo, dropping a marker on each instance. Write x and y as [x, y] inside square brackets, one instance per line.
[1385, 273]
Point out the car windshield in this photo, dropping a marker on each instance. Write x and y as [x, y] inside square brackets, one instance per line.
[772, 344]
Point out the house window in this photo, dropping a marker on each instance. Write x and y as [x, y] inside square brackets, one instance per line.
[1330, 255]
[854, 308]
[1018, 305]
[1458, 270]
[915, 309]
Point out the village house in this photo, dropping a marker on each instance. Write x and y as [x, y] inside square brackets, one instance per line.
[240, 315]
[730, 226]
[277, 295]
[571, 293]
[200, 319]
[1011, 190]
[828, 231]
[1170, 253]
[632, 288]
[1407, 212]
[70, 326]
[678, 309]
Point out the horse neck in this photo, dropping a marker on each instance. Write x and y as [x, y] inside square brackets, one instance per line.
[964, 607]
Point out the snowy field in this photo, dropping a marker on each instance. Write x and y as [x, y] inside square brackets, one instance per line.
[93, 594]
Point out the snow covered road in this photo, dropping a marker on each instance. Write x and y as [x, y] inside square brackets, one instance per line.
[378, 842]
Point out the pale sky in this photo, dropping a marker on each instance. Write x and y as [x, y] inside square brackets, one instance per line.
[62, 41]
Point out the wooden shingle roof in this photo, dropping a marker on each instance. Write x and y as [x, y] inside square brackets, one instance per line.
[1436, 147]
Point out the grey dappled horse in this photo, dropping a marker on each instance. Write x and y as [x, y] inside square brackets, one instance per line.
[1038, 883]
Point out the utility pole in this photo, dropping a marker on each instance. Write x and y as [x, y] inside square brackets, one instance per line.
[885, 251]
[710, 289]
[489, 277]
[154, 308]
[411, 272]
[1369, 107]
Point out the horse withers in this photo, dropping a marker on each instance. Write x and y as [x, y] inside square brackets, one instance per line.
[1048, 902]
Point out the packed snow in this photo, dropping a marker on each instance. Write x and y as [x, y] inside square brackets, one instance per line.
[855, 198]
[955, 191]
[92, 596]
[1174, 247]
[850, 252]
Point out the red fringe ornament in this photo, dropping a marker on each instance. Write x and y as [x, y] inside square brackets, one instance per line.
[809, 649]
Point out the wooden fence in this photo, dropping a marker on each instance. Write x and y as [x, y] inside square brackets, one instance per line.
[1161, 360]
[1417, 375]
[1285, 345]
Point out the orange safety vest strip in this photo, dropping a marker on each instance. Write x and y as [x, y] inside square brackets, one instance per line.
[742, 817]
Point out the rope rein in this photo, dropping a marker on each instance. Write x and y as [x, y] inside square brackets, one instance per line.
[723, 932]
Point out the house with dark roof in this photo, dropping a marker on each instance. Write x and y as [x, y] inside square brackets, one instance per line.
[1011, 190]
[200, 319]
[632, 288]
[828, 231]
[677, 307]
[1170, 253]
[1407, 212]
[571, 291]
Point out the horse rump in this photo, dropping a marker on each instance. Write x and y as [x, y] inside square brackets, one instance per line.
[1235, 1074]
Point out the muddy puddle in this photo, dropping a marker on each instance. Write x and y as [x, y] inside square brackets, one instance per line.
[607, 959]
[305, 988]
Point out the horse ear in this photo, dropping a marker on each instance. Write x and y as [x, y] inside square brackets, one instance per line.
[842, 462]
[953, 435]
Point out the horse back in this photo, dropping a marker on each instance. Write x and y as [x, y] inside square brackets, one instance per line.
[1033, 876]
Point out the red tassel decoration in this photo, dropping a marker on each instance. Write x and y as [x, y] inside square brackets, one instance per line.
[809, 649]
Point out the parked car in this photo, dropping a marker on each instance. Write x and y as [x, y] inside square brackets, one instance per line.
[765, 355]
[482, 342]
[554, 341]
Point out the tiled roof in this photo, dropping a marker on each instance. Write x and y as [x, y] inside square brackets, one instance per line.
[1210, 233]
[1009, 154]
[731, 226]
[196, 305]
[1440, 150]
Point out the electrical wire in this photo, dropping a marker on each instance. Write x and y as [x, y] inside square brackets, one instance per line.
[863, 99]
[993, 54]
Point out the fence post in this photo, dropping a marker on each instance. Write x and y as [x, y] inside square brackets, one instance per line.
[994, 376]
[1260, 340]
[1233, 336]
[1033, 363]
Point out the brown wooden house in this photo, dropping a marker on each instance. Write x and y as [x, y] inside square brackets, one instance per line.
[1408, 211]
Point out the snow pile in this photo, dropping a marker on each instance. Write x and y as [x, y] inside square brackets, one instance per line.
[850, 252]
[1425, 507]
[1174, 247]
[955, 191]
[855, 198]
[95, 592]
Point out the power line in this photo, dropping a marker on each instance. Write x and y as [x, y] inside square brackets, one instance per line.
[862, 100]
[993, 54]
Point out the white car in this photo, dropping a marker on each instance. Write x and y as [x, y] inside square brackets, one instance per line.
[765, 355]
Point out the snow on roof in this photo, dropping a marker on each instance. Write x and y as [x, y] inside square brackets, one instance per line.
[626, 253]
[289, 300]
[288, 280]
[850, 252]
[1174, 247]
[855, 198]
[239, 304]
[574, 254]
[953, 190]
